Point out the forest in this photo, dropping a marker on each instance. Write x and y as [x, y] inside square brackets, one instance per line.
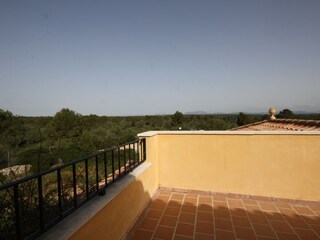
[43, 142]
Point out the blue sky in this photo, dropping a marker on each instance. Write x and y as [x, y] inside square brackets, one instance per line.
[159, 56]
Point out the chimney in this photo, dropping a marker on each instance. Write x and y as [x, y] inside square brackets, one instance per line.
[272, 112]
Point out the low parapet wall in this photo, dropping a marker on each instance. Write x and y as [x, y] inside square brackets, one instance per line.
[271, 164]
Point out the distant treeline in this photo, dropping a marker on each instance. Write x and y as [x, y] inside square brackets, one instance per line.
[45, 141]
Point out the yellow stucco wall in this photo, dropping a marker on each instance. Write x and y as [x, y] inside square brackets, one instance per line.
[284, 166]
[116, 218]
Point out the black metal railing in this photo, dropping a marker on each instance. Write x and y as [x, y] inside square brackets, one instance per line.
[31, 205]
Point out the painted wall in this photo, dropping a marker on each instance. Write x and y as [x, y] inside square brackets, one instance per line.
[284, 166]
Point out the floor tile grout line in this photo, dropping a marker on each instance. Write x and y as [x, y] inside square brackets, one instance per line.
[264, 214]
[234, 230]
[195, 217]
[175, 228]
[152, 237]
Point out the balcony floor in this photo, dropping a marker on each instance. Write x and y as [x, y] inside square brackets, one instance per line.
[198, 215]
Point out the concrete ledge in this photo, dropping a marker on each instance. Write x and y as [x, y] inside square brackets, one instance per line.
[71, 224]
[154, 133]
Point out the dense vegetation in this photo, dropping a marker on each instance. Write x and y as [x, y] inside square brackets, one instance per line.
[44, 141]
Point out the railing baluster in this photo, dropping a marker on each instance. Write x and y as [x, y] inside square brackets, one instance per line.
[97, 174]
[129, 155]
[17, 211]
[74, 184]
[59, 192]
[87, 178]
[144, 149]
[105, 169]
[40, 202]
[138, 151]
[112, 158]
[119, 163]
[124, 159]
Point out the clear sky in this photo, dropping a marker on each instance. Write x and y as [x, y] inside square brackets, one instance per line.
[114, 57]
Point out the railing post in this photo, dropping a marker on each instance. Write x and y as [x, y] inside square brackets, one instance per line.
[40, 202]
[17, 211]
[74, 183]
[97, 174]
[87, 178]
[119, 163]
[59, 192]
[112, 158]
[105, 169]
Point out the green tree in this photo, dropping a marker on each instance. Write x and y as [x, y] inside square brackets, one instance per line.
[243, 119]
[286, 113]
[63, 124]
[177, 119]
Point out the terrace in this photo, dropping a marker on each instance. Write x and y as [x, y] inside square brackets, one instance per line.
[206, 185]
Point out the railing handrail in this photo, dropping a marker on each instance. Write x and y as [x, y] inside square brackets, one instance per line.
[36, 175]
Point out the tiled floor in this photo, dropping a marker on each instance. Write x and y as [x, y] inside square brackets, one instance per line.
[178, 215]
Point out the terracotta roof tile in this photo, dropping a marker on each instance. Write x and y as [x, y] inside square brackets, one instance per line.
[281, 125]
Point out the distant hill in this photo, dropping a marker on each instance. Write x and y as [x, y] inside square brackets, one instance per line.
[196, 113]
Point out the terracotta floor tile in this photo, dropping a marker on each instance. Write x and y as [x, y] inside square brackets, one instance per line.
[177, 196]
[200, 236]
[297, 223]
[158, 205]
[165, 233]
[170, 211]
[224, 235]
[187, 218]
[280, 227]
[316, 228]
[174, 203]
[314, 207]
[163, 198]
[148, 224]
[221, 213]
[238, 212]
[272, 216]
[204, 227]
[219, 198]
[281, 205]
[188, 209]
[179, 237]
[266, 238]
[263, 230]
[168, 221]
[218, 204]
[205, 208]
[258, 219]
[315, 220]
[307, 234]
[207, 200]
[189, 200]
[205, 216]
[288, 212]
[287, 236]
[142, 235]
[223, 224]
[268, 207]
[253, 209]
[304, 210]
[245, 233]
[154, 213]
[185, 229]
[235, 203]
[241, 222]
[249, 202]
